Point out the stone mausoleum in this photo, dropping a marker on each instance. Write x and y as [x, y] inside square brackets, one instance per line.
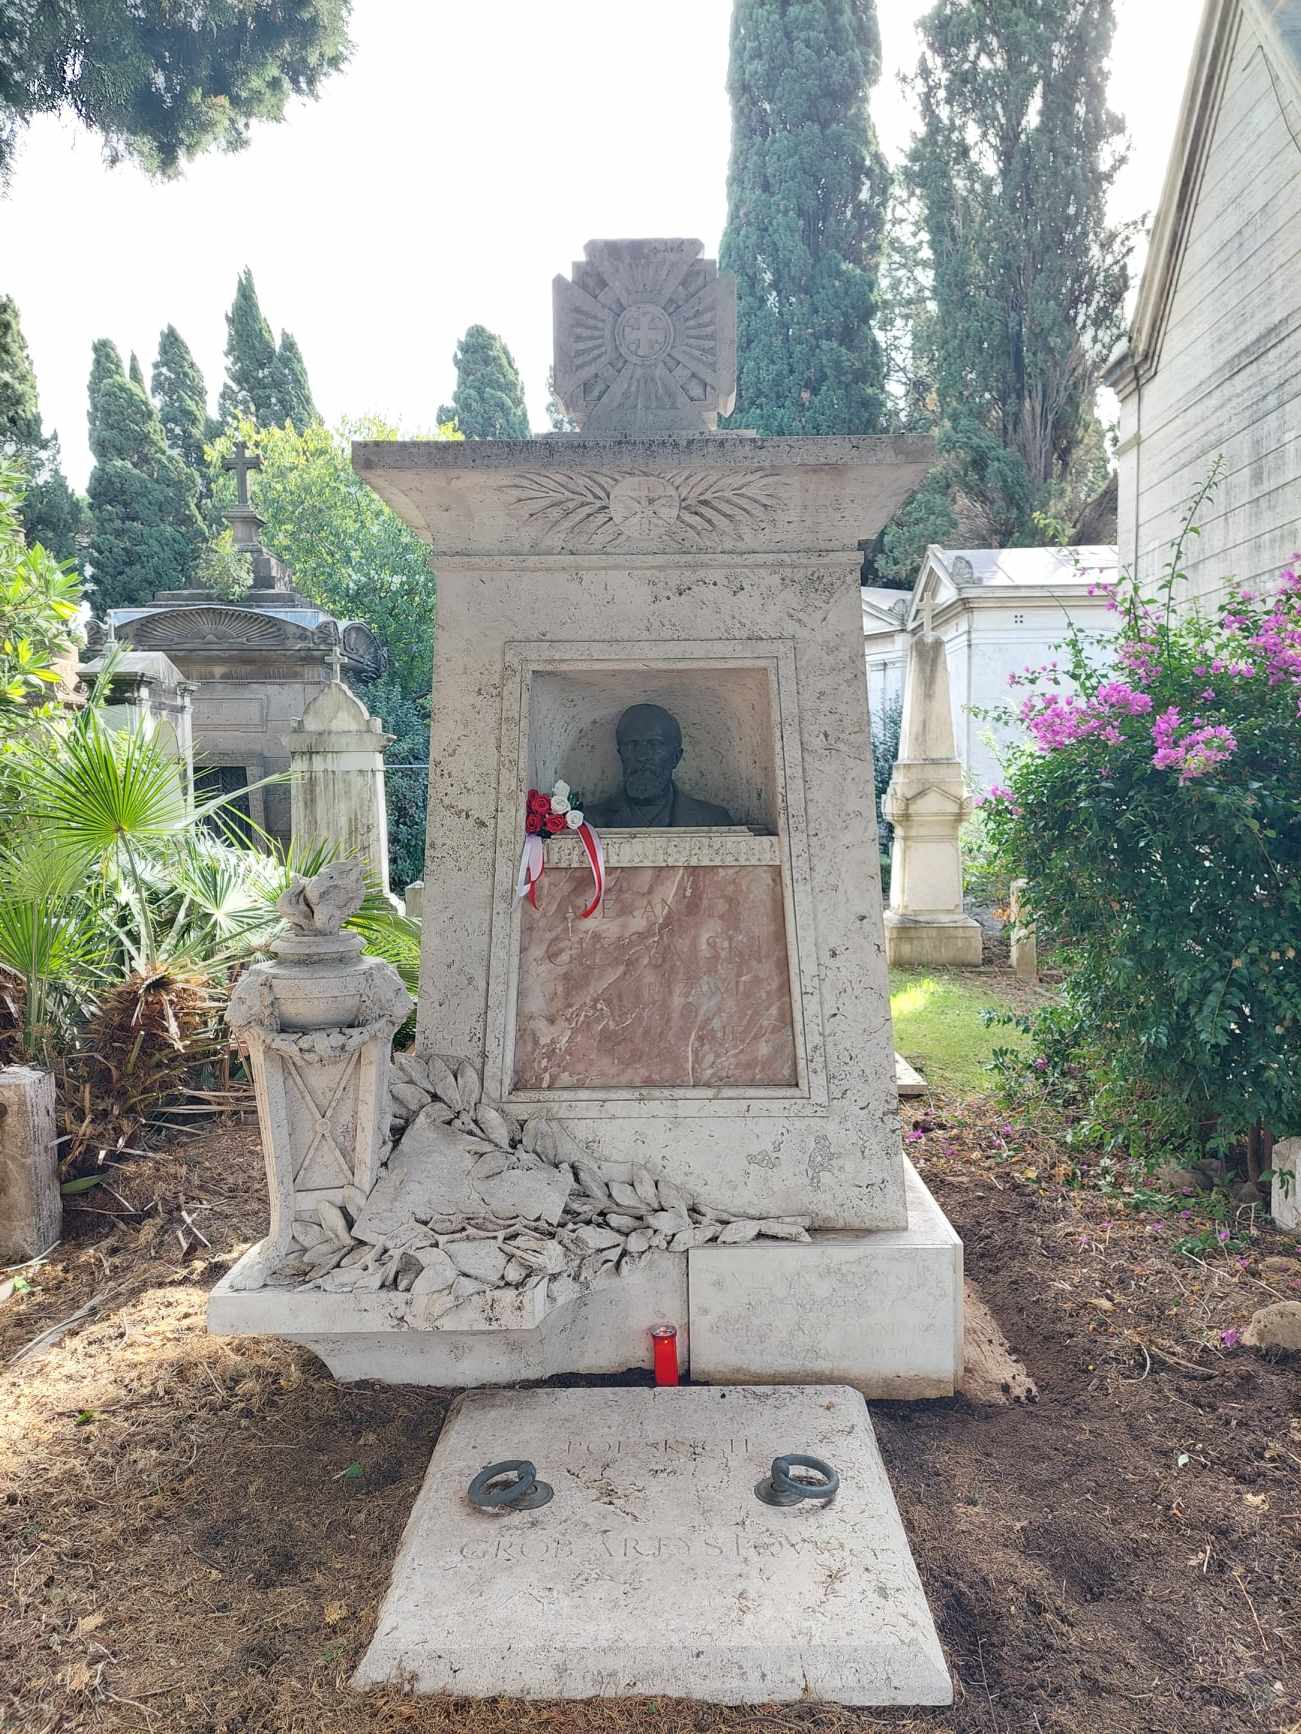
[253, 665]
[652, 1093]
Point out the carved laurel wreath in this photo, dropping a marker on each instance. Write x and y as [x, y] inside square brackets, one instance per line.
[682, 508]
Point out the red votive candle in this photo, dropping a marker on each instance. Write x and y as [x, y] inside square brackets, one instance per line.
[664, 1340]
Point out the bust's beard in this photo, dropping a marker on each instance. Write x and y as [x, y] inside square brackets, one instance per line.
[646, 787]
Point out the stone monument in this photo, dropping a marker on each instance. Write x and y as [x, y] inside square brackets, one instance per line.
[253, 663]
[926, 803]
[683, 1108]
[336, 755]
[673, 1106]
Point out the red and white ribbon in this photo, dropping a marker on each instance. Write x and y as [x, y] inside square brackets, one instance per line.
[596, 861]
[532, 862]
[530, 870]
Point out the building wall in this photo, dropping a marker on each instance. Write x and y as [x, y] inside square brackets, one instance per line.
[1228, 377]
[986, 640]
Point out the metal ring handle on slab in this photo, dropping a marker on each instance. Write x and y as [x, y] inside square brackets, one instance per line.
[779, 1487]
[524, 1493]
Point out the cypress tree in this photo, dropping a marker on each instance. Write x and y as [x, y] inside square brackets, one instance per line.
[806, 193]
[146, 534]
[161, 83]
[52, 513]
[252, 385]
[135, 373]
[1012, 169]
[181, 399]
[20, 415]
[295, 391]
[488, 403]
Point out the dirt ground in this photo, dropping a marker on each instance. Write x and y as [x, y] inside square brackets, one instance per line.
[196, 1532]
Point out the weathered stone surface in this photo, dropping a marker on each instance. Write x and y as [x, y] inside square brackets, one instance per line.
[427, 1339]
[649, 994]
[880, 1311]
[655, 1570]
[742, 616]
[336, 753]
[1285, 1191]
[1276, 1327]
[645, 342]
[926, 803]
[31, 1210]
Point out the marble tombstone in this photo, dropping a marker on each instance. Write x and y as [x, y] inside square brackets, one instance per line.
[720, 1030]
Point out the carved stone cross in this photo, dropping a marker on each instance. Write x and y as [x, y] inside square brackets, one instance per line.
[242, 463]
[645, 338]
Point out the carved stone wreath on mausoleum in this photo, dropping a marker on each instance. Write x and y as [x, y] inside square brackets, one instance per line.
[464, 1202]
[681, 508]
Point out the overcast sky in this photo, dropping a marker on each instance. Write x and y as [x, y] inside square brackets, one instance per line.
[458, 162]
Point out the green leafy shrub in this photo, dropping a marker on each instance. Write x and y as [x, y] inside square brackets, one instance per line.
[1158, 820]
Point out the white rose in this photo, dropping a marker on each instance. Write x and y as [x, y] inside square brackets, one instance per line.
[561, 789]
[573, 818]
[560, 803]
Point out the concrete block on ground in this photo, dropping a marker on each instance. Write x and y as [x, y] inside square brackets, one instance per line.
[655, 1570]
[31, 1208]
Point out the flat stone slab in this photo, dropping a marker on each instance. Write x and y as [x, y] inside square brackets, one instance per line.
[655, 1571]
[908, 1081]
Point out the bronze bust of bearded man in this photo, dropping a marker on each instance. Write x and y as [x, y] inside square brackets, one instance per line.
[650, 746]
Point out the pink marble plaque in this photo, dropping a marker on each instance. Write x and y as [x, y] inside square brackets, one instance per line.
[681, 979]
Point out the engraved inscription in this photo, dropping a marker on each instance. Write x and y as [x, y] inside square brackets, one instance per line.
[681, 980]
[670, 848]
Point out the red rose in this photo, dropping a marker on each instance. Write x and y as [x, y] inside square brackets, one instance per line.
[532, 823]
[538, 803]
[555, 822]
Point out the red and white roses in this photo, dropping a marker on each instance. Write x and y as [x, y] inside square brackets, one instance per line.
[547, 816]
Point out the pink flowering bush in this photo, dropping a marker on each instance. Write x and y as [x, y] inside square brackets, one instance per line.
[1157, 816]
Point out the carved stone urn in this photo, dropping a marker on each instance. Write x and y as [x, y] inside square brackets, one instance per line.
[318, 1025]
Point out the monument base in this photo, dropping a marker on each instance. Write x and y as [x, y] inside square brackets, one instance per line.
[881, 1311]
[952, 941]
[655, 1570]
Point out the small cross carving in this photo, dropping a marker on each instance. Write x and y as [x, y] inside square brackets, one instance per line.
[242, 463]
[647, 336]
[336, 663]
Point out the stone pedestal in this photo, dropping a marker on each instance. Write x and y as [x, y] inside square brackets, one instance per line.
[336, 754]
[31, 1210]
[318, 1025]
[926, 804]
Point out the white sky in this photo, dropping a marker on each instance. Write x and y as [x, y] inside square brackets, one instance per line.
[459, 161]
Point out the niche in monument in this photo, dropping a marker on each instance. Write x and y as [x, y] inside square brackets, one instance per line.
[686, 978]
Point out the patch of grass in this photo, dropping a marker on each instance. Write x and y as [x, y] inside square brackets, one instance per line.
[938, 1027]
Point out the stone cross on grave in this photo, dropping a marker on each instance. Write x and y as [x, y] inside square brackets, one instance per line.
[243, 464]
[645, 339]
